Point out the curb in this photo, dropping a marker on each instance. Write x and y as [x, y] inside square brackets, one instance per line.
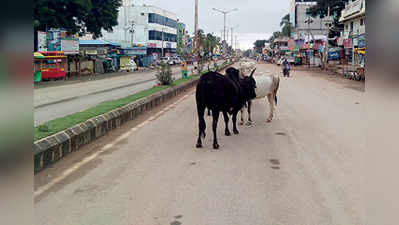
[53, 148]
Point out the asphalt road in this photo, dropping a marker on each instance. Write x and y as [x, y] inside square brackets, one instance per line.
[303, 168]
[61, 100]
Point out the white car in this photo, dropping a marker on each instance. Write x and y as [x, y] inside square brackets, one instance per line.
[167, 59]
[176, 60]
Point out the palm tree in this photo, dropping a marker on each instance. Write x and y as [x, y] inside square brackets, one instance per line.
[286, 26]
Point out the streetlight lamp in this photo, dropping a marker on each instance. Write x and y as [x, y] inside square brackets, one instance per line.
[224, 26]
[224, 14]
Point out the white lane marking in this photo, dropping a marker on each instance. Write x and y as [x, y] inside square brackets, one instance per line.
[89, 158]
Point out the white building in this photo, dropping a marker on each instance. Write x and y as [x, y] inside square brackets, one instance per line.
[145, 26]
[353, 18]
[353, 38]
[299, 18]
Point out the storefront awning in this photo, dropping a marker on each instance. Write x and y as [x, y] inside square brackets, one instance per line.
[38, 55]
[361, 51]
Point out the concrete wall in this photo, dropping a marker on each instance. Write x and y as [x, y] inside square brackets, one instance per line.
[86, 66]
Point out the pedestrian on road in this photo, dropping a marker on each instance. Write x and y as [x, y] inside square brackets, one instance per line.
[184, 69]
[286, 67]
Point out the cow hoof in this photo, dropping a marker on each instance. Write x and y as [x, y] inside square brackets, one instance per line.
[269, 120]
[227, 133]
[236, 132]
[216, 146]
[241, 123]
[249, 123]
[199, 145]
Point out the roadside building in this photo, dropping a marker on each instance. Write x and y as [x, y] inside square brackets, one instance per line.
[146, 25]
[95, 58]
[280, 46]
[300, 17]
[353, 38]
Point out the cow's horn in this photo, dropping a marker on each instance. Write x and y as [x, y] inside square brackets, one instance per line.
[253, 71]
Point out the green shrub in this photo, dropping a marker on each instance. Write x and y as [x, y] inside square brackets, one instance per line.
[164, 74]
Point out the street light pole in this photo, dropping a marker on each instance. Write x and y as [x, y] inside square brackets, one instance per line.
[232, 38]
[325, 55]
[309, 21]
[224, 22]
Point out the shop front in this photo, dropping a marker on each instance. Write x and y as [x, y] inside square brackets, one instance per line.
[52, 66]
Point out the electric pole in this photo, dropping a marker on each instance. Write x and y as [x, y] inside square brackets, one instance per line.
[232, 37]
[196, 29]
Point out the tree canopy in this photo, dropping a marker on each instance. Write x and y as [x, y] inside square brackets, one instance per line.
[336, 7]
[259, 44]
[207, 42]
[286, 26]
[76, 16]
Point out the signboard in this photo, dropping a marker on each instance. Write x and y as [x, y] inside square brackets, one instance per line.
[348, 43]
[151, 45]
[362, 41]
[134, 51]
[102, 51]
[91, 52]
[42, 41]
[352, 8]
[355, 42]
[70, 46]
[284, 48]
[334, 55]
[292, 12]
[340, 41]
[291, 44]
[168, 45]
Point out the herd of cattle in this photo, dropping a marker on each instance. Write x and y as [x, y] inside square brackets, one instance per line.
[230, 93]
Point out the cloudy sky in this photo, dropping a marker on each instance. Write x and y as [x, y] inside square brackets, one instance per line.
[256, 19]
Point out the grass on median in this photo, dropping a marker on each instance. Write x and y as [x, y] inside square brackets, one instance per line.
[57, 125]
[63, 123]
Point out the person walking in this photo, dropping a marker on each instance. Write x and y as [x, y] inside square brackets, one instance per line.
[286, 67]
[184, 69]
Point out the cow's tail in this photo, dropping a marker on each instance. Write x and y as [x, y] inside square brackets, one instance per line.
[277, 80]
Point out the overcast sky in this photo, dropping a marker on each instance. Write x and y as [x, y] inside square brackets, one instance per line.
[257, 19]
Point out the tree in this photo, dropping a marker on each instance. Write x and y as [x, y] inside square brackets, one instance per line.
[336, 7]
[76, 16]
[103, 15]
[259, 44]
[247, 53]
[211, 43]
[286, 26]
[275, 35]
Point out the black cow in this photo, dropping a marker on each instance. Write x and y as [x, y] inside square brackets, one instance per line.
[224, 94]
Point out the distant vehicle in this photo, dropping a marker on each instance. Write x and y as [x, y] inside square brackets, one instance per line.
[167, 60]
[175, 60]
[290, 59]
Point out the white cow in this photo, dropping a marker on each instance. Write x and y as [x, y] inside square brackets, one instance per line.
[246, 67]
[266, 86]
